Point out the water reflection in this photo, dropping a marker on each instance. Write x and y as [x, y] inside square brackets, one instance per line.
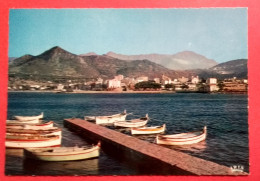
[81, 167]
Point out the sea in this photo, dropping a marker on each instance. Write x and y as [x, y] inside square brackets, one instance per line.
[225, 115]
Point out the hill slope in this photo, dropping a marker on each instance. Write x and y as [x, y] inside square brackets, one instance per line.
[185, 60]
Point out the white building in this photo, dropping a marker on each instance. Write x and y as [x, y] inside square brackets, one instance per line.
[166, 80]
[195, 80]
[113, 83]
[212, 83]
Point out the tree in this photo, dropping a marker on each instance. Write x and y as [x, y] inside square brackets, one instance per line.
[147, 85]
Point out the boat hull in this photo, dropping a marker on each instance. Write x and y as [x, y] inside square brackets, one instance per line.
[182, 139]
[32, 121]
[28, 118]
[34, 126]
[109, 119]
[135, 131]
[128, 124]
[23, 142]
[61, 156]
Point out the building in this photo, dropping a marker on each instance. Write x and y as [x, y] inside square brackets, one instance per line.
[212, 84]
[166, 80]
[113, 84]
[141, 79]
[157, 80]
[195, 80]
[183, 80]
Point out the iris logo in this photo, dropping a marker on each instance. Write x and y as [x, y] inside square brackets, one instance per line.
[237, 168]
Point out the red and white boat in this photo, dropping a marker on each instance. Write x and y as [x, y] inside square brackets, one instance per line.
[28, 118]
[12, 124]
[148, 130]
[133, 123]
[62, 153]
[33, 132]
[32, 141]
[32, 121]
[182, 138]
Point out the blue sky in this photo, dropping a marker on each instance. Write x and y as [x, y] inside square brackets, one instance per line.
[217, 33]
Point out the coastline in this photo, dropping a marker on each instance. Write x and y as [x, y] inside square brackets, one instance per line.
[120, 92]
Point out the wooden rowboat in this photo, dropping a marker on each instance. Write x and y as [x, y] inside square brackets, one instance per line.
[148, 130]
[132, 123]
[32, 141]
[32, 121]
[12, 124]
[62, 153]
[28, 118]
[32, 132]
[107, 119]
[182, 138]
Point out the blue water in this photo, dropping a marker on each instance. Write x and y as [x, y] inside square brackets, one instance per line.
[225, 115]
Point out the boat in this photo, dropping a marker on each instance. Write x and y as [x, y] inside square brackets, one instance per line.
[133, 123]
[32, 121]
[28, 118]
[11, 124]
[12, 141]
[182, 138]
[62, 153]
[148, 130]
[107, 119]
[28, 132]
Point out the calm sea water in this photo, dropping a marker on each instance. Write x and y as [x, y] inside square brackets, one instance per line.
[226, 116]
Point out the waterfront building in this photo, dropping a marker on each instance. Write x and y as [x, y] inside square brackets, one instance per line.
[166, 80]
[157, 80]
[195, 80]
[212, 84]
[113, 83]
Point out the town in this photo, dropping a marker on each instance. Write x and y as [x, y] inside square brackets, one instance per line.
[122, 84]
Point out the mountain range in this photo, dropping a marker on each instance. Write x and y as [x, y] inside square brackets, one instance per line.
[59, 63]
[186, 60]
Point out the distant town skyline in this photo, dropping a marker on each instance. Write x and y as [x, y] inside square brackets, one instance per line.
[217, 33]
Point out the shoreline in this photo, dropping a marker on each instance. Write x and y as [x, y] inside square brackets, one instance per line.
[119, 92]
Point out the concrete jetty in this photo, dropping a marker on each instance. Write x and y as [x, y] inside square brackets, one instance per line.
[147, 157]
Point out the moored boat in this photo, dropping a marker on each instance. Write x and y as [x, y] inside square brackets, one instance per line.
[62, 153]
[107, 119]
[148, 130]
[132, 123]
[12, 141]
[28, 118]
[12, 124]
[182, 138]
[31, 132]
[32, 121]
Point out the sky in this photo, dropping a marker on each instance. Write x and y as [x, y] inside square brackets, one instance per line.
[216, 33]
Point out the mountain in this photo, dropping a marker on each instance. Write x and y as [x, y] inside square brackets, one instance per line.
[234, 68]
[57, 63]
[185, 60]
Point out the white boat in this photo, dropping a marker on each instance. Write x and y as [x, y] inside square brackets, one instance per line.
[182, 138]
[107, 119]
[133, 123]
[32, 132]
[32, 141]
[62, 153]
[28, 118]
[32, 121]
[20, 125]
[148, 130]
